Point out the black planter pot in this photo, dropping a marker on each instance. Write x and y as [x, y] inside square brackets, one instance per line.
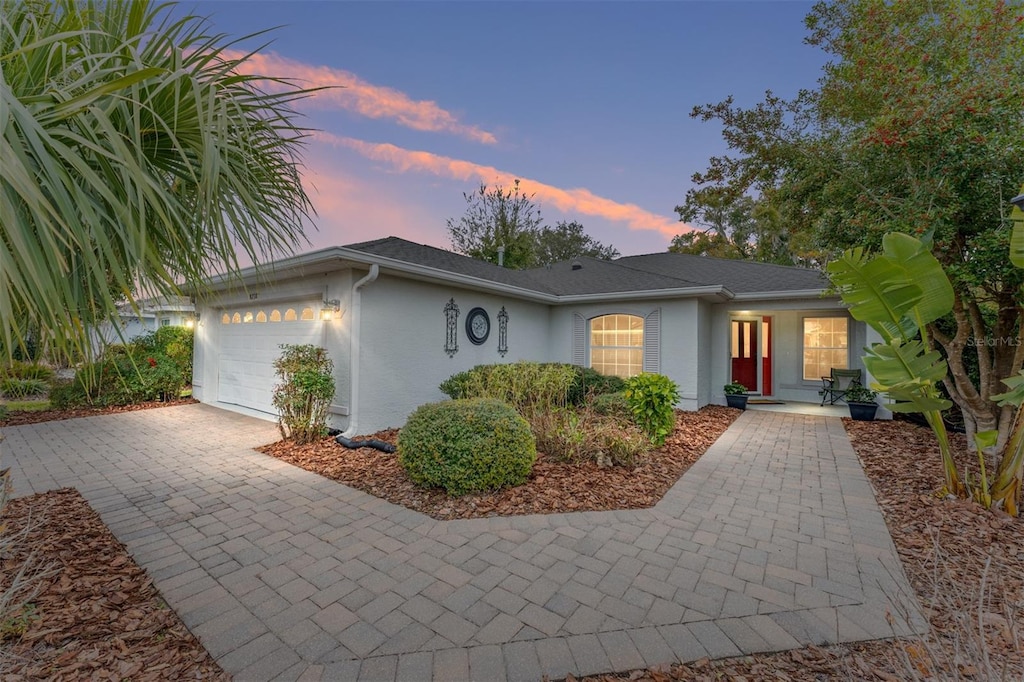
[863, 412]
[736, 400]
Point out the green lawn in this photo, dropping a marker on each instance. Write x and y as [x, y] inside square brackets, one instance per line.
[26, 405]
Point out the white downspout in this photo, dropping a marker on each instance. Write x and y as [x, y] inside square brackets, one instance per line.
[354, 334]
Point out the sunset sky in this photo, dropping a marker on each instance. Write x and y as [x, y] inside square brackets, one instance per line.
[587, 103]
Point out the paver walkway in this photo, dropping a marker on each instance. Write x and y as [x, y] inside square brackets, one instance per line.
[772, 540]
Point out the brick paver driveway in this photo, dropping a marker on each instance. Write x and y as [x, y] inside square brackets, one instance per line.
[771, 541]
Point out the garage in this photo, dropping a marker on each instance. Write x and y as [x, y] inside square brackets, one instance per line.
[250, 337]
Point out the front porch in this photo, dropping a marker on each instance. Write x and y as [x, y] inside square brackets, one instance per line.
[794, 407]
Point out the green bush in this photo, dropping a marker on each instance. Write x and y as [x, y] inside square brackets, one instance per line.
[18, 389]
[618, 443]
[583, 435]
[467, 446]
[530, 378]
[590, 382]
[652, 399]
[527, 386]
[304, 392]
[176, 343]
[612, 405]
[28, 370]
[122, 376]
[66, 395]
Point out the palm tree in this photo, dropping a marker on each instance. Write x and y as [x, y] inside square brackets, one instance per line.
[135, 156]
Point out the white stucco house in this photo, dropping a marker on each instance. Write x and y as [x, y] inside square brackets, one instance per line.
[150, 314]
[398, 318]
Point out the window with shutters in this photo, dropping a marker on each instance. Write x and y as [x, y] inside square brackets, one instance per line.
[617, 345]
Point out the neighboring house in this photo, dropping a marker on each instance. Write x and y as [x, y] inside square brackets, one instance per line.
[151, 314]
[398, 318]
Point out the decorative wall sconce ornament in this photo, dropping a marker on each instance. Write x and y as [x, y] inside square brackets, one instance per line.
[451, 335]
[502, 332]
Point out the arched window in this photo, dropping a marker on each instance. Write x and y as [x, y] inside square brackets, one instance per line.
[236, 319]
[275, 315]
[617, 345]
[307, 314]
[289, 315]
[248, 317]
[261, 316]
[225, 319]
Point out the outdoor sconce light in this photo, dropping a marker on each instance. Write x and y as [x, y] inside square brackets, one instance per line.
[331, 307]
[190, 322]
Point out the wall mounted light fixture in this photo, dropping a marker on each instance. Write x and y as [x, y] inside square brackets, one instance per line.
[331, 308]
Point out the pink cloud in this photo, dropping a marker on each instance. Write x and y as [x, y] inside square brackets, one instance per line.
[577, 200]
[348, 91]
[351, 210]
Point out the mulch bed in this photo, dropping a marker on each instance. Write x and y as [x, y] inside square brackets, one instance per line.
[553, 486]
[97, 616]
[23, 417]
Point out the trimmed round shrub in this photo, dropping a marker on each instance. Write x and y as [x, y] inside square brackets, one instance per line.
[467, 446]
[652, 400]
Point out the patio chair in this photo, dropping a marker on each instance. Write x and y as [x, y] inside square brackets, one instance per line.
[834, 388]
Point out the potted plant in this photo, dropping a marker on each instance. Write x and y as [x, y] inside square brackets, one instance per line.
[862, 403]
[736, 395]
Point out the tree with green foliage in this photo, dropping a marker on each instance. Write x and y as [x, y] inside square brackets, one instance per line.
[496, 218]
[735, 227]
[915, 128]
[509, 218]
[134, 151]
[567, 240]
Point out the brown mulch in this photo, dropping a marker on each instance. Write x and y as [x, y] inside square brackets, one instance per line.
[97, 615]
[23, 417]
[945, 546]
[553, 486]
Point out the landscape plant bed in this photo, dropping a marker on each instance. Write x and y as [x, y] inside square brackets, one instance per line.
[553, 486]
[944, 545]
[97, 615]
[23, 417]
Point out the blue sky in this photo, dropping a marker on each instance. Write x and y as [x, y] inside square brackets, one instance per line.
[587, 102]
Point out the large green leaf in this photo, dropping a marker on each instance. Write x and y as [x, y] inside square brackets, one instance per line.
[896, 292]
[907, 372]
[920, 267]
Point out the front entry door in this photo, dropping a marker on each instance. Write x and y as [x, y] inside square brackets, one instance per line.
[744, 353]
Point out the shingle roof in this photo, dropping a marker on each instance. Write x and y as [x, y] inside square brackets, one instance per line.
[736, 275]
[649, 272]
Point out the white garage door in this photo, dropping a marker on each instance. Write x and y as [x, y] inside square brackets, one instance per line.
[249, 343]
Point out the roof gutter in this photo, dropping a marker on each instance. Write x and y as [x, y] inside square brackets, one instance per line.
[354, 350]
[776, 295]
[714, 291]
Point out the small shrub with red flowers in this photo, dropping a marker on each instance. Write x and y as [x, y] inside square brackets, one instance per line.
[123, 376]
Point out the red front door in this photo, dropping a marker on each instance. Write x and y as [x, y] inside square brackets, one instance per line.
[744, 353]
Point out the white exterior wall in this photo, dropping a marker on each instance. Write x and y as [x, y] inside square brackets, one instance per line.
[787, 345]
[402, 356]
[679, 355]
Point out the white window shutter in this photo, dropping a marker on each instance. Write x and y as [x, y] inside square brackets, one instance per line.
[579, 340]
[652, 342]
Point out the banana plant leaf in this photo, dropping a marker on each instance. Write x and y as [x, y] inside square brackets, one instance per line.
[908, 373]
[896, 292]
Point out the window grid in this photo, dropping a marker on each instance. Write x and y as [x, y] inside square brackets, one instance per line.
[616, 345]
[826, 346]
